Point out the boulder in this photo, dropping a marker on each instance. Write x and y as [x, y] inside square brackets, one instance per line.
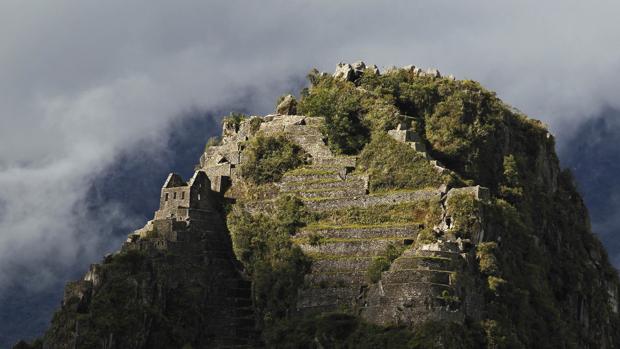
[344, 71]
[433, 72]
[359, 66]
[287, 106]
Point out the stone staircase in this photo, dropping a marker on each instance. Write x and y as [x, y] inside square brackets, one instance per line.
[236, 323]
[352, 227]
[422, 284]
[342, 252]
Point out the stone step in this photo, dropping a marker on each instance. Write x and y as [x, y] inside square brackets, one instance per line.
[430, 310]
[240, 303]
[372, 200]
[368, 247]
[311, 175]
[444, 254]
[320, 298]
[352, 279]
[422, 262]
[349, 182]
[330, 193]
[340, 265]
[303, 130]
[344, 161]
[414, 289]
[360, 232]
[415, 275]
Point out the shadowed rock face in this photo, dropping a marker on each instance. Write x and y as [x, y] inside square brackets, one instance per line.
[174, 282]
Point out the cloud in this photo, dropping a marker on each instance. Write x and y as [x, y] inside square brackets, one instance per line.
[83, 80]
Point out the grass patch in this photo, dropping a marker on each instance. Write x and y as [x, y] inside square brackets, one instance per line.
[410, 212]
[383, 263]
[310, 171]
[325, 240]
[391, 165]
[320, 226]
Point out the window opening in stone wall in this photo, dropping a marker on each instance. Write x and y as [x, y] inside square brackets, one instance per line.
[182, 195]
[166, 199]
[174, 195]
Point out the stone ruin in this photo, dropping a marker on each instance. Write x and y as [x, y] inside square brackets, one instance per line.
[188, 225]
[352, 72]
[419, 284]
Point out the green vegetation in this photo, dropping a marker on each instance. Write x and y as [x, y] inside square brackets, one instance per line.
[315, 239]
[540, 268]
[383, 263]
[255, 124]
[465, 212]
[487, 262]
[394, 165]
[399, 214]
[511, 188]
[305, 171]
[118, 310]
[212, 141]
[267, 158]
[233, 120]
[336, 330]
[277, 267]
[340, 104]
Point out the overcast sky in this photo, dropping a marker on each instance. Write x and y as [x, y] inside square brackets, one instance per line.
[82, 80]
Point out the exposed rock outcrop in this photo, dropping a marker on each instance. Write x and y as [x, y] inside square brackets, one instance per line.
[288, 106]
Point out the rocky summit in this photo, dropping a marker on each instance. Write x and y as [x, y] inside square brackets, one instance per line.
[394, 209]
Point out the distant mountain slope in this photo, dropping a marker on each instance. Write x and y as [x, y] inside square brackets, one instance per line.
[594, 157]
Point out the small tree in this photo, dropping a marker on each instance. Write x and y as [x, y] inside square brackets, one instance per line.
[268, 157]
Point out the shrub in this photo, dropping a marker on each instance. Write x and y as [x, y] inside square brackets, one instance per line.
[262, 243]
[376, 267]
[212, 141]
[267, 158]
[464, 131]
[465, 212]
[233, 120]
[383, 263]
[511, 188]
[291, 213]
[340, 104]
[485, 253]
[255, 124]
[315, 239]
[391, 164]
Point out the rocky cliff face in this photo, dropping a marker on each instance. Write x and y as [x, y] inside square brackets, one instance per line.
[400, 209]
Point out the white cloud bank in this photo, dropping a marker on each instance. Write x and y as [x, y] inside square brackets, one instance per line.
[80, 80]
